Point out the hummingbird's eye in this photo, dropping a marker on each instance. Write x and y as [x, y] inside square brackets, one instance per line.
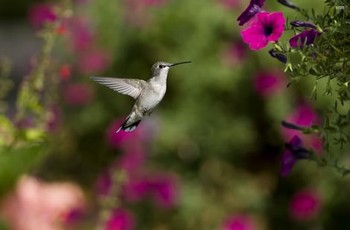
[161, 66]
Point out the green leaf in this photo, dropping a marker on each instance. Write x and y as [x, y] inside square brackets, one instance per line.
[17, 161]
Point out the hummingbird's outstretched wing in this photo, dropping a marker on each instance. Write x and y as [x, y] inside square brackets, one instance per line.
[131, 87]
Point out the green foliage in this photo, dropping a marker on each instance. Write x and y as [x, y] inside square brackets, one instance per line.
[25, 159]
[327, 62]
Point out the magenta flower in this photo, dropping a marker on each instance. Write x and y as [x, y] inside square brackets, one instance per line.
[293, 152]
[268, 83]
[132, 160]
[164, 190]
[239, 222]
[136, 188]
[120, 220]
[81, 36]
[266, 27]
[306, 37]
[305, 205]
[253, 8]
[41, 13]
[77, 94]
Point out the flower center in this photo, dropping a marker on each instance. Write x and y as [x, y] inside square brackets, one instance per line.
[268, 29]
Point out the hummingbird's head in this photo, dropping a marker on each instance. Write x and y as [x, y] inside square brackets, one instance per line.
[163, 67]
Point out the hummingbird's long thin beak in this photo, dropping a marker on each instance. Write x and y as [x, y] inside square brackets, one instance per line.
[179, 63]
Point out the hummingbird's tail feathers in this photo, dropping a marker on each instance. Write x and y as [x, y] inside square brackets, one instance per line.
[131, 127]
[128, 127]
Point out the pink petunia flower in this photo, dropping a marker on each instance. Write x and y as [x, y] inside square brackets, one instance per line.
[239, 222]
[41, 13]
[265, 27]
[305, 205]
[120, 220]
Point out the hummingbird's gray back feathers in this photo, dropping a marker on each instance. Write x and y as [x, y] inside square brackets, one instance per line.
[131, 87]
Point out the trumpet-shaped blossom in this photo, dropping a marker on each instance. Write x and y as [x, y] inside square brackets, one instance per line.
[266, 27]
[305, 205]
[306, 37]
[253, 8]
[294, 151]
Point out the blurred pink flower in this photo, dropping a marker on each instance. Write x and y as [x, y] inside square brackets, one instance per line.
[266, 27]
[305, 205]
[41, 13]
[235, 54]
[132, 160]
[103, 183]
[39, 205]
[82, 37]
[136, 188]
[93, 61]
[268, 84]
[120, 220]
[164, 189]
[239, 222]
[77, 93]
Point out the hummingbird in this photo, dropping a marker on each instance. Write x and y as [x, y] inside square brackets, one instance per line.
[148, 94]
